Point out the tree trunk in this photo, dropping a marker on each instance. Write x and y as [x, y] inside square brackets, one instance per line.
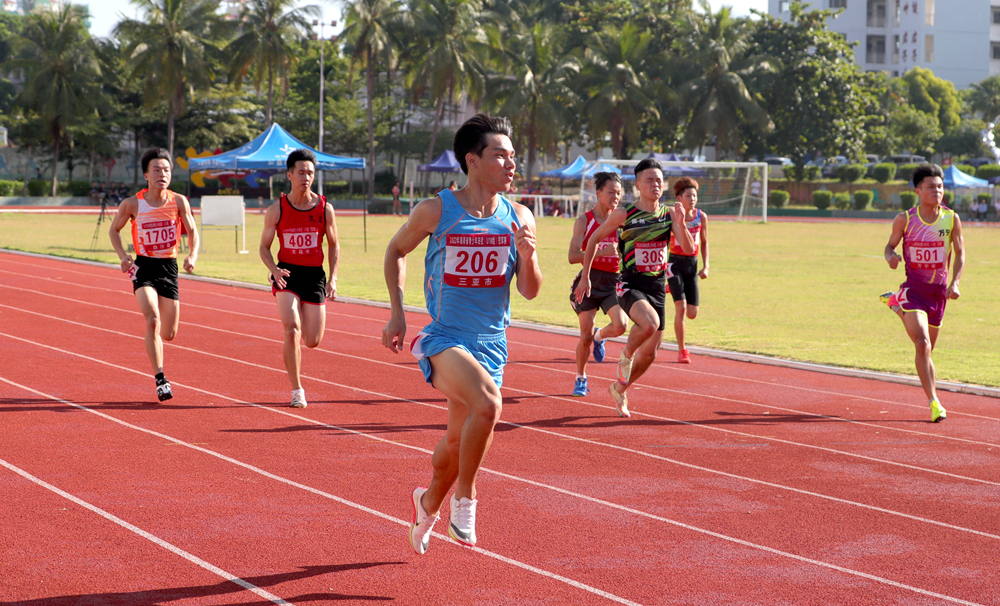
[90, 165]
[135, 158]
[170, 127]
[371, 142]
[55, 154]
[27, 171]
[270, 92]
[532, 142]
[438, 111]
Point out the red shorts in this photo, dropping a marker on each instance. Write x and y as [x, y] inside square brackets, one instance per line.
[926, 298]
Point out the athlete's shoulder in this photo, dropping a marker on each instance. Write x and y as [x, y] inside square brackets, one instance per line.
[524, 214]
[426, 215]
[129, 206]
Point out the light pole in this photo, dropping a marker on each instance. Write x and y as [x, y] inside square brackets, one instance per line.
[322, 81]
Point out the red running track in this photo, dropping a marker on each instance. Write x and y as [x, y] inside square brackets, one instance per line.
[731, 484]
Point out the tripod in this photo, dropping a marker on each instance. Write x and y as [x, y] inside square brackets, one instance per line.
[100, 219]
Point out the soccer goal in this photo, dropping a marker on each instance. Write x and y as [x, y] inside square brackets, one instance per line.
[734, 189]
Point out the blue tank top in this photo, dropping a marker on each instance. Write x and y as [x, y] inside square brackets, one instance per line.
[469, 266]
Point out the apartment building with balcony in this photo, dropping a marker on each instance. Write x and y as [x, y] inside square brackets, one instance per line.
[959, 40]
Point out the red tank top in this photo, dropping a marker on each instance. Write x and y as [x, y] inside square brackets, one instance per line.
[694, 228]
[155, 228]
[300, 233]
[608, 263]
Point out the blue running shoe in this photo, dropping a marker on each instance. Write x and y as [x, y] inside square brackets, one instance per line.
[598, 347]
[580, 388]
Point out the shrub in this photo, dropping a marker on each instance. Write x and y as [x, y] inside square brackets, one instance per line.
[949, 198]
[967, 169]
[988, 198]
[905, 172]
[884, 172]
[862, 199]
[39, 187]
[79, 188]
[988, 171]
[849, 173]
[908, 199]
[965, 202]
[384, 181]
[11, 188]
[842, 200]
[822, 199]
[812, 172]
[779, 198]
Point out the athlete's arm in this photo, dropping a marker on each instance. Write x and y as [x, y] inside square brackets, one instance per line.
[126, 210]
[704, 246]
[679, 228]
[529, 274]
[898, 229]
[194, 239]
[332, 252]
[615, 220]
[422, 222]
[271, 217]
[576, 242]
[958, 245]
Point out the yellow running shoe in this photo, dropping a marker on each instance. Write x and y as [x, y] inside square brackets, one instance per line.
[938, 413]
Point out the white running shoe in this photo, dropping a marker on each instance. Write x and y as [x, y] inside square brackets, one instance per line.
[299, 398]
[463, 521]
[423, 524]
[621, 401]
[624, 368]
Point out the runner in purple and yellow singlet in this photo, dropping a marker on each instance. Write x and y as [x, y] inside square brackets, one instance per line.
[644, 231]
[930, 233]
[604, 278]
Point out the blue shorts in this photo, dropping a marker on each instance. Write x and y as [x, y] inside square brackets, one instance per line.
[489, 350]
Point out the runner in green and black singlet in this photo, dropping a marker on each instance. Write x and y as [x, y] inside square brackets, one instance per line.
[644, 230]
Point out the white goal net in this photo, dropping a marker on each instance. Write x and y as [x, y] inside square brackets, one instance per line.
[728, 189]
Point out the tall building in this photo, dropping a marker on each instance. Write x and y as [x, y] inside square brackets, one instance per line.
[959, 40]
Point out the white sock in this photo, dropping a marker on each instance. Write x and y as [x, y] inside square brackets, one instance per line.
[597, 331]
[584, 377]
[298, 391]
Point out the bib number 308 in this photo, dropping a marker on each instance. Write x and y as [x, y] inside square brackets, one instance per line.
[651, 256]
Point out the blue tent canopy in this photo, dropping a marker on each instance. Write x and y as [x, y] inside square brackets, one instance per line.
[954, 178]
[589, 170]
[269, 151]
[560, 173]
[445, 163]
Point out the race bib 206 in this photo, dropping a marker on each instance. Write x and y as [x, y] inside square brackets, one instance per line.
[476, 260]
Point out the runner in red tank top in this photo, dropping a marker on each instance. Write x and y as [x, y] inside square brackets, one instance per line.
[157, 215]
[300, 220]
[683, 275]
[604, 278]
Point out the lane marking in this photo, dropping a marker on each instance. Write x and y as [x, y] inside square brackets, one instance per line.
[504, 559]
[310, 489]
[135, 529]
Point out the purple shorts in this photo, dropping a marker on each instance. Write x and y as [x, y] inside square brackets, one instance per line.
[927, 298]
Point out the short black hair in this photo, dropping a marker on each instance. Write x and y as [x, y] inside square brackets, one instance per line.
[601, 179]
[926, 170]
[300, 155]
[647, 163]
[155, 153]
[471, 136]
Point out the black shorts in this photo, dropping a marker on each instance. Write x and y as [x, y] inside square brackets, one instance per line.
[642, 288]
[683, 280]
[603, 292]
[306, 283]
[160, 274]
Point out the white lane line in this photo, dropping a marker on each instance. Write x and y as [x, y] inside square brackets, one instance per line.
[310, 489]
[390, 518]
[569, 436]
[133, 528]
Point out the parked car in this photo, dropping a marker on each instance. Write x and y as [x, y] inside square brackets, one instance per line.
[870, 161]
[777, 161]
[977, 162]
[906, 159]
[832, 164]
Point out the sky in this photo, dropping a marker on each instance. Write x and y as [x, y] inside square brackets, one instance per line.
[105, 14]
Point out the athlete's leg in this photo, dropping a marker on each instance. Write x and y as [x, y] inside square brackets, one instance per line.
[445, 459]
[170, 317]
[645, 322]
[149, 307]
[615, 328]
[919, 332]
[644, 357]
[288, 311]
[680, 310]
[313, 319]
[586, 340]
[464, 381]
[692, 311]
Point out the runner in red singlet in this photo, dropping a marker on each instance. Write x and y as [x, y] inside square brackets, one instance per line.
[157, 215]
[300, 220]
[683, 275]
[604, 278]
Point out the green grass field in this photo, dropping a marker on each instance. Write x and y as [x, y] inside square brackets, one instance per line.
[805, 291]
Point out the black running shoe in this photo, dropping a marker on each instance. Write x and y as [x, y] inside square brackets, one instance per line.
[163, 391]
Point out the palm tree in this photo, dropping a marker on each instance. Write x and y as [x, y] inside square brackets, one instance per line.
[984, 97]
[370, 28]
[61, 72]
[170, 50]
[614, 58]
[268, 29]
[718, 98]
[449, 40]
[534, 84]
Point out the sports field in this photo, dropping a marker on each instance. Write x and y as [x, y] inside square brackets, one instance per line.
[799, 290]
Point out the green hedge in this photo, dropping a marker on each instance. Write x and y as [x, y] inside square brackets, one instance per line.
[842, 200]
[984, 197]
[779, 198]
[850, 173]
[822, 199]
[809, 172]
[988, 171]
[884, 172]
[862, 199]
[908, 199]
[11, 188]
[905, 171]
